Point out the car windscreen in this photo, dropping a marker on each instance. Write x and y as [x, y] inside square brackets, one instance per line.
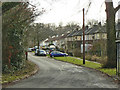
[42, 51]
[57, 52]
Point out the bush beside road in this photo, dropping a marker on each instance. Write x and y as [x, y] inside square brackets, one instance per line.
[30, 69]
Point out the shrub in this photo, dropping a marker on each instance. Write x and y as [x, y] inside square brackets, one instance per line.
[77, 52]
[94, 58]
[104, 61]
[88, 57]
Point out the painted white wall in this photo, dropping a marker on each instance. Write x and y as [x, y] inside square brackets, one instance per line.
[87, 47]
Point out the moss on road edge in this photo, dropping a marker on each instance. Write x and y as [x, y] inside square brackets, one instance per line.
[8, 79]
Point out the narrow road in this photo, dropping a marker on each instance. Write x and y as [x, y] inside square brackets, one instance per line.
[57, 74]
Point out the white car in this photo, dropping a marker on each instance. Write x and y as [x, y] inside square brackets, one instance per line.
[40, 52]
[30, 49]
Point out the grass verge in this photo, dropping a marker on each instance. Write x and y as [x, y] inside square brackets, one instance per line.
[89, 64]
[27, 71]
[48, 55]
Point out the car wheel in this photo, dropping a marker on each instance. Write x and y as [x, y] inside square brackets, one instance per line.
[52, 56]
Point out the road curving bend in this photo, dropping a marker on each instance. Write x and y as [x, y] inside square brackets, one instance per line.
[57, 74]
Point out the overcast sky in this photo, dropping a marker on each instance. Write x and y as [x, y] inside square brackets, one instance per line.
[67, 11]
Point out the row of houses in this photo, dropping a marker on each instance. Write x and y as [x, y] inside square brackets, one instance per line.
[72, 41]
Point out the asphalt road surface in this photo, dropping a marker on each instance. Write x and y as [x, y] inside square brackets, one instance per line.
[57, 74]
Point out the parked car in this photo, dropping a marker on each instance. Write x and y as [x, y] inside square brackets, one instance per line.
[57, 54]
[30, 49]
[36, 51]
[47, 51]
[51, 49]
[35, 48]
[40, 52]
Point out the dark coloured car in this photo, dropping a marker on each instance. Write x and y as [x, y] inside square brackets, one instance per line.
[51, 49]
[40, 52]
[57, 54]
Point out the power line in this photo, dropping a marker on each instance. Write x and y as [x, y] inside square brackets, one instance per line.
[88, 7]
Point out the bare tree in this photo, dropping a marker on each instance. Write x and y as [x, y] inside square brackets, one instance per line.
[111, 33]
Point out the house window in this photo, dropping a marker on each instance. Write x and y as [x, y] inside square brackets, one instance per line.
[76, 38]
[118, 34]
[93, 37]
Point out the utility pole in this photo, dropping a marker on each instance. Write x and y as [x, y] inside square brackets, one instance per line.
[83, 36]
[38, 38]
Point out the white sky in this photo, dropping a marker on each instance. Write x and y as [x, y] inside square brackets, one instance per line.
[66, 11]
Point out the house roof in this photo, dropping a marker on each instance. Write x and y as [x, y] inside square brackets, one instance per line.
[101, 30]
[57, 38]
[96, 29]
[93, 29]
[78, 32]
[63, 36]
[89, 31]
[72, 33]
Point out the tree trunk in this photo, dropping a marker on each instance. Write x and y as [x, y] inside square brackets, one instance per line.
[111, 36]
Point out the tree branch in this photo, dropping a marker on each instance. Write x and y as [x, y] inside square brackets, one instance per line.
[117, 8]
[31, 4]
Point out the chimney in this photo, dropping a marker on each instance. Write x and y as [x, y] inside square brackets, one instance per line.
[87, 27]
[99, 23]
[77, 28]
